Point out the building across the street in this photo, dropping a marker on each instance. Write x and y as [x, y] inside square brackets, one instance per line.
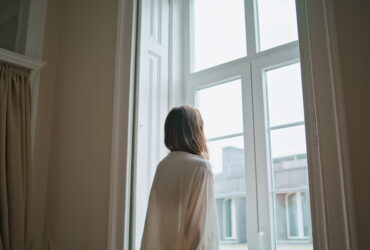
[291, 203]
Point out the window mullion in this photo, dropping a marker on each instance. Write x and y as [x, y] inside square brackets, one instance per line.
[250, 160]
[263, 182]
[250, 26]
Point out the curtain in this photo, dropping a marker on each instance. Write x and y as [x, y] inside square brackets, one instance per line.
[15, 155]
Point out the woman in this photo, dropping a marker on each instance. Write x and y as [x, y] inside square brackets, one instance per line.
[181, 212]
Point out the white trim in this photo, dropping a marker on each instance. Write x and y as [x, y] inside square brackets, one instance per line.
[244, 60]
[251, 27]
[176, 86]
[122, 131]
[20, 60]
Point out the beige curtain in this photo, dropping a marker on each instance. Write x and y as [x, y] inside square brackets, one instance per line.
[15, 152]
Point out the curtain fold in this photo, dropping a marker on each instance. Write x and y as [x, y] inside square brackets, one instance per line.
[15, 155]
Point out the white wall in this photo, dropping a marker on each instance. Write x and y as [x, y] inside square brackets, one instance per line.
[75, 126]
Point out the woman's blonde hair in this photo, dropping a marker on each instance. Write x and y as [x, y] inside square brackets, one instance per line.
[183, 131]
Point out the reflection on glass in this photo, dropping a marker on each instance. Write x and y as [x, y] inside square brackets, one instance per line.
[221, 108]
[277, 22]
[284, 93]
[219, 32]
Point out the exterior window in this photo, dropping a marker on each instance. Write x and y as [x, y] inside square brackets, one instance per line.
[229, 214]
[219, 32]
[297, 218]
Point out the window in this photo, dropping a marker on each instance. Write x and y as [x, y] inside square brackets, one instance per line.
[296, 216]
[252, 106]
[277, 23]
[229, 219]
[269, 176]
[14, 24]
[217, 24]
[288, 161]
[225, 137]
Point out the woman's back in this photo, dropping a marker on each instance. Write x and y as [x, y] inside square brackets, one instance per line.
[181, 212]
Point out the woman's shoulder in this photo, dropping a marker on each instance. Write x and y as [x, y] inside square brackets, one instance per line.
[186, 159]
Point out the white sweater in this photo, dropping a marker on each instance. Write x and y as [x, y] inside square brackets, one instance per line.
[181, 211]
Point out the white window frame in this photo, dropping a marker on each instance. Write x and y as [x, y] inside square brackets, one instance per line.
[234, 232]
[300, 218]
[262, 137]
[260, 231]
[330, 177]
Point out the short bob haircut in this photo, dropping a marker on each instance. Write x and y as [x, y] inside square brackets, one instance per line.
[183, 131]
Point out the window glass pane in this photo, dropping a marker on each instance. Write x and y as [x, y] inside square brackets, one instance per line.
[277, 22]
[289, 141]
[284, 92]
[228, 166]
[13, 25]
[221, 108]
[288, 158]
[219, 32]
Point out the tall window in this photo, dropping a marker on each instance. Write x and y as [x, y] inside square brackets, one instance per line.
[244, 76]
[242, 70]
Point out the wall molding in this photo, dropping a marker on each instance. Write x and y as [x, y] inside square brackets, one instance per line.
[122, 131]
[20, 60]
